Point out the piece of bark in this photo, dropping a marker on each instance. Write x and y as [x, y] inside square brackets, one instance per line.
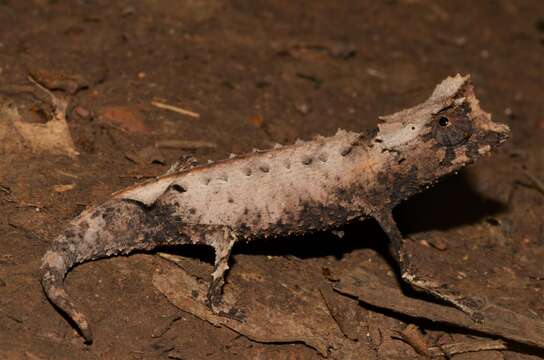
[185, 144]
[344, 311]
[413, 337]
[50, 136]
[498, 321]
[466, 346]
[276, 312]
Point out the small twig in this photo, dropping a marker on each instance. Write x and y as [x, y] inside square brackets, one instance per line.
[40, 86]
[170, 257]
[60, 104]
[538, 184]
[163, 328]
[137, 176]
[464, 347]
[5, 189]
[412, 336]
[185, 144]
[22, 204]
[15, 318]
[63, 187]
[175, 109]
[30, 205]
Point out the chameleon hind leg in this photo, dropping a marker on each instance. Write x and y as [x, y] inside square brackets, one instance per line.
[422, 283]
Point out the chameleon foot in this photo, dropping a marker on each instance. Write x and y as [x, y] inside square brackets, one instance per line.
[216, 304]
[469, 305]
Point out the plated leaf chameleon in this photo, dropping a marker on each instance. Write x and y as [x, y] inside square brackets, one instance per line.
[308, 186]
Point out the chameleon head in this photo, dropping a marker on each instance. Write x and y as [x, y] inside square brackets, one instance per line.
[441, 135]
[461, 131]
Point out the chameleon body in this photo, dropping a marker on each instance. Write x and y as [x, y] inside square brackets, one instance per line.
[304, 187]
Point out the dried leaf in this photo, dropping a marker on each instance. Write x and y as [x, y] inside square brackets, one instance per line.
[465, 347]
[51, 137]
[256, 121]
[147, 155]
[63, 188]
[70, 73]
[126, 118]
[54, 79]
[344, 311]
[274, 311]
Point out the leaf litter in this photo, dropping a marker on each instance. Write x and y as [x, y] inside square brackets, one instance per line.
[290, 311]
[297, 311]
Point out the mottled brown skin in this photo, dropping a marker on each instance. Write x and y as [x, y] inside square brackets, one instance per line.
[304, 187]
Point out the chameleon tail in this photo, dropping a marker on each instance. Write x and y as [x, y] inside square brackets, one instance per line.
[113, 228]
[55, 266]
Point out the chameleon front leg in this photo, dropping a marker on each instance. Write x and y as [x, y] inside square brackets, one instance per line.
[421, 283]
[223, 247]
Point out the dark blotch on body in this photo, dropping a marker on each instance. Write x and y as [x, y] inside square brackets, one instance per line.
[163, 224]
[404, 186]
[108, 213]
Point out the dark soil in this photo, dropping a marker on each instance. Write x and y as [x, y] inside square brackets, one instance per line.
[259, 73]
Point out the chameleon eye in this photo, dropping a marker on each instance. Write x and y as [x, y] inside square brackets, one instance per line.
[443, 121]
[452, 127]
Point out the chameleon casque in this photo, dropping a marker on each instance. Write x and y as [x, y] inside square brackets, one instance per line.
[309, 186]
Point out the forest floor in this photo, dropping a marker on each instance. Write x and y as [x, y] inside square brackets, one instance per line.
[259, 73]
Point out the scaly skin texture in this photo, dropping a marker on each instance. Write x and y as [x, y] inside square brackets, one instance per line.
[308, 186]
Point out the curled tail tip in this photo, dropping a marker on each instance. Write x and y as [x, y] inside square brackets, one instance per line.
[52, 284]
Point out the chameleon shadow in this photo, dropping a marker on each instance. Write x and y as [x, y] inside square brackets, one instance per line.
[451, 203]
[320, 244]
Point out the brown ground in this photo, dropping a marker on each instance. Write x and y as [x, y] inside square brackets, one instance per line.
[260, 72]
